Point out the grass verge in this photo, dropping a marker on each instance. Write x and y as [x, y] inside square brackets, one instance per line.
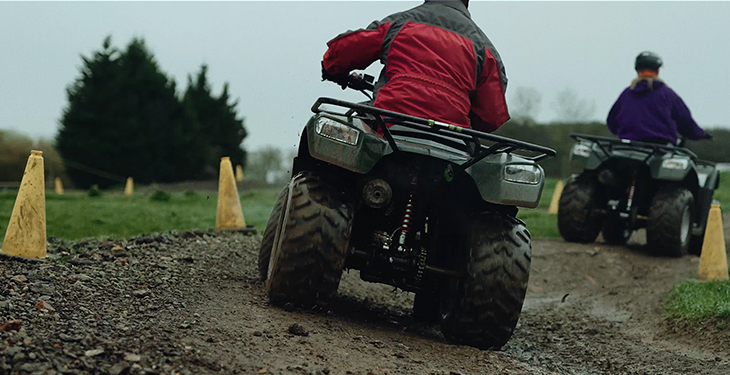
[77, 216]
[698, 304]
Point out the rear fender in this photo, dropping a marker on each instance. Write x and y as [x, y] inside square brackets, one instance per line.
[587, 155]
[359, 157]
[669, 167]
[494, 186]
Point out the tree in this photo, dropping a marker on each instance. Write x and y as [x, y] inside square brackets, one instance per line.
[570, 108]
[221, 131]
[266, 165]
[124, 118]
[525, 105]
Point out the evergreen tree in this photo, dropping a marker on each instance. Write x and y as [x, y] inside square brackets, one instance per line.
[124, 119]
[222, 132]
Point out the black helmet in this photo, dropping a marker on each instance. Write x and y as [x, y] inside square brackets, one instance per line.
[648, 61]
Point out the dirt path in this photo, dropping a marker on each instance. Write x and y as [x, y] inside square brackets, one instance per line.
[189, 303]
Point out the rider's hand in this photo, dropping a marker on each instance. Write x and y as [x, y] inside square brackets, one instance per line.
[340, 79]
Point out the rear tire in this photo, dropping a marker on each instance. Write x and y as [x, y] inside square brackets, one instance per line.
[483, 307]
[615, 231]
[267, 241]
[669, 229]
[576, 221]
[311, 244]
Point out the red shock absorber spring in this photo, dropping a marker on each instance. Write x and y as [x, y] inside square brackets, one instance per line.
[407, 215]
[407, 221]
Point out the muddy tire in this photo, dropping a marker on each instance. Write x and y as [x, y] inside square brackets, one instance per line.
[267, 241]
[669, 229]
[482, 308]
[616, 232]
[576, 221]
[311, 243]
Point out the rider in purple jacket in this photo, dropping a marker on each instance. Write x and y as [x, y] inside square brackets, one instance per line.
[649, 110]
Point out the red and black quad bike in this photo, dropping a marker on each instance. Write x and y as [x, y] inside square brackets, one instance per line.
[421, 205]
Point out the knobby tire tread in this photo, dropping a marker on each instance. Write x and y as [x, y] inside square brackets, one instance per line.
[576, 222]
[313, 246]
[488, 301]
[665, 221]
[267, 240]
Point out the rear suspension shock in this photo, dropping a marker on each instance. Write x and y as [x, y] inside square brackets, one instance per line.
[407, 220]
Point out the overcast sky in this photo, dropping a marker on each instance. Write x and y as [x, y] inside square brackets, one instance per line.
[270, 52]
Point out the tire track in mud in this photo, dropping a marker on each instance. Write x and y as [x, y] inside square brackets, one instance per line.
[597, 309]
[590, 309]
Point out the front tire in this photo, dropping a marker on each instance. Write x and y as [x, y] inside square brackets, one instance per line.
[576, 220]
[483, 307]
[669, 228]
[311, 243]
[267, 240]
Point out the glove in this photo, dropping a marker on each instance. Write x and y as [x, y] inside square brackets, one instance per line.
[708, 136]
[340, 79]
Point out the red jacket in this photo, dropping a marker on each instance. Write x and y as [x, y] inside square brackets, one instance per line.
[438, 65]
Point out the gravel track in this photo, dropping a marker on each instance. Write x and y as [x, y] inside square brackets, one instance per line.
[191, 303]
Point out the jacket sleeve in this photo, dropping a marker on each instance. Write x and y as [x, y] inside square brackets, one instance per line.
[686, 125]
[488, 104]
[355, 49]
[612, 119]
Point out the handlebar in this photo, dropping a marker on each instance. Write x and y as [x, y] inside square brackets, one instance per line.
[360, 82]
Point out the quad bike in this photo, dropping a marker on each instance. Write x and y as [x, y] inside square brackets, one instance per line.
[628, 185]
[418, 204]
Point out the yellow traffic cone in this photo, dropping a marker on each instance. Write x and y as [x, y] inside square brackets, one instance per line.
[229, 214]
[129, 188]
[556, 197]
[713, 260]
[59, 186]
[239, 173]
[26, 233]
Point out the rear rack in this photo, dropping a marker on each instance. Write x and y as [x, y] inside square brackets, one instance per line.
[609, 144]
[436, 131]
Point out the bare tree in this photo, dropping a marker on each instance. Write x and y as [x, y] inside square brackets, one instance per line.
[525, 104]
[570, 107]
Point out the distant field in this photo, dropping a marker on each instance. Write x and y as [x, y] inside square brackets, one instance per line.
[76, 215]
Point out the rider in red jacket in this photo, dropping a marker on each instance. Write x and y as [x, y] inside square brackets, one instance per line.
[438, 65]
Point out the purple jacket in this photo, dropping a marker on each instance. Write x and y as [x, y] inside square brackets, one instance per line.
[649, 109]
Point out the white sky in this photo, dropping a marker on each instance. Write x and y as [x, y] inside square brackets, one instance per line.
[270, 52]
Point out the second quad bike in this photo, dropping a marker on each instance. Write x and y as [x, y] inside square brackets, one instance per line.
[418, 204]
[627, 185]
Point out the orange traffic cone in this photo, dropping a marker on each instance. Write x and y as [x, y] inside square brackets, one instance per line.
[26, 233]
[713, 260]
[59, 186]
[229, 214]
[129, 187]
[239, 173]
[556, 197]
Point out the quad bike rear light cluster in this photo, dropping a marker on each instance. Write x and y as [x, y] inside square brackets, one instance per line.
[524, 174]
[332, 129]
[675, 163]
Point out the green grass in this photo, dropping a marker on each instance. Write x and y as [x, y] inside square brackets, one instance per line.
[699, 302]
[539, 222]
[722, 193]
[76, 215]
